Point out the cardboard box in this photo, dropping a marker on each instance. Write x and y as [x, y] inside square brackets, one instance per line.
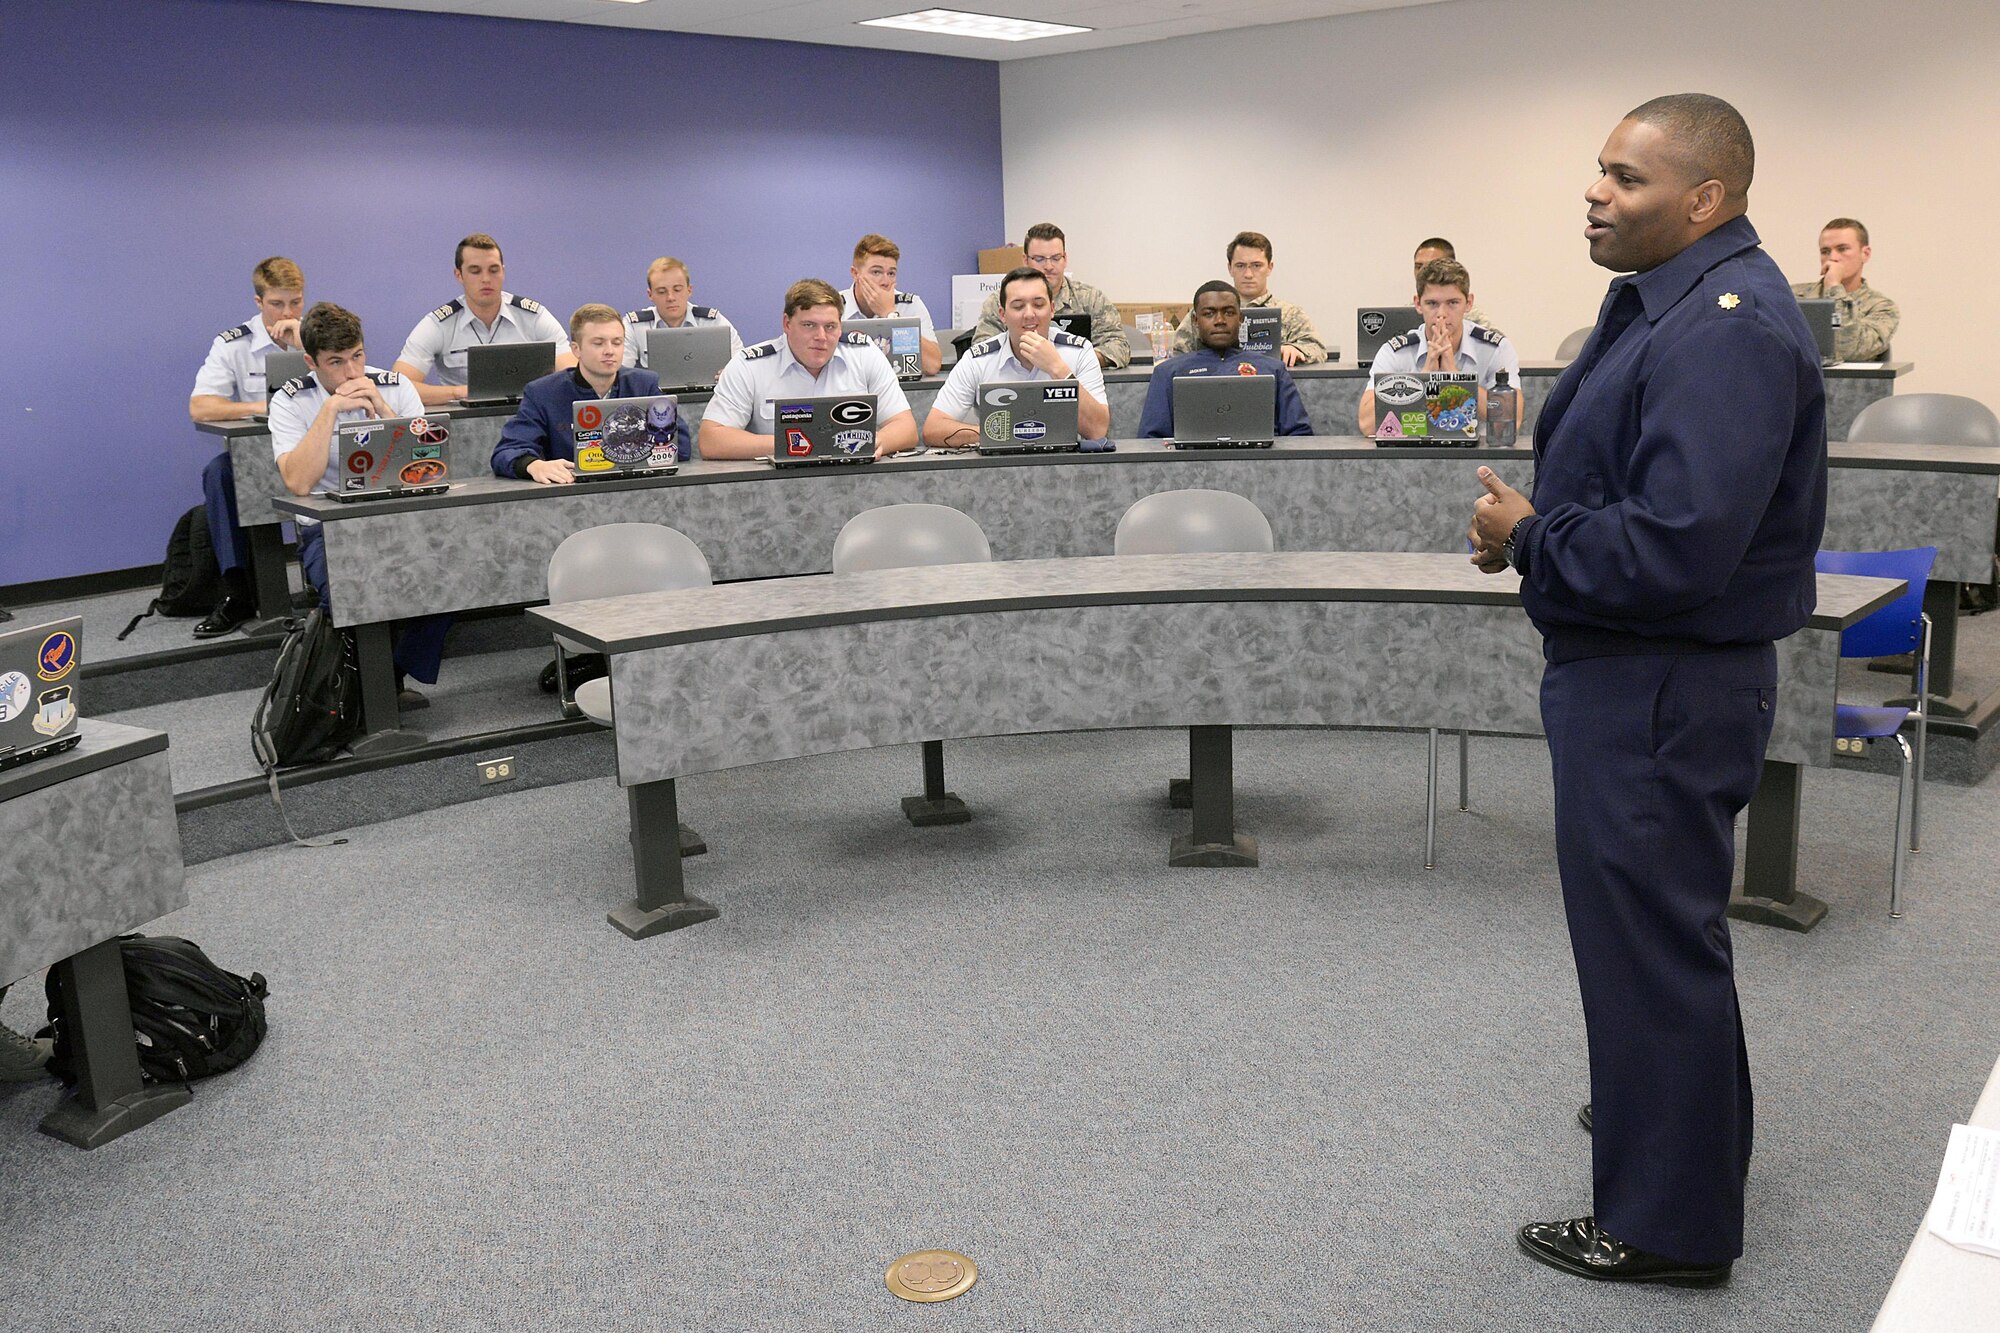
[1130, 311]
[1002, 258]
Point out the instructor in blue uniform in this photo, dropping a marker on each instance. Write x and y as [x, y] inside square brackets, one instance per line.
[1680, 489]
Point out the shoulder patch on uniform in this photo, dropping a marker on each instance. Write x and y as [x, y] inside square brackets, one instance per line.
[447, 310]
[292, 388]
[755, 350]
[639, 316]
[857, 340]
[1484, 334]
[532, 307]
[704, 312]
[906, 298]
[1400, 341]
[231, 335]
[1064, 338]
[385, 377]
[988, 346]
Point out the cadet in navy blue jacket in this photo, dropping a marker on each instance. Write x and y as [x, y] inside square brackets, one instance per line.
[1218, 324]
[1680, 490]
[538, 443]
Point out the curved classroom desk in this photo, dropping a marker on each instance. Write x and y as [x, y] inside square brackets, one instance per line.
[1090, 644]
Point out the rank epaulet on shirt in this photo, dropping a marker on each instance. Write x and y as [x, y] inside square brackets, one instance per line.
[446, 311]
[857, 340]
[703, 312]
[906, 298]
[1064, 338]
[988, 347]
[532, 307]
[643, 316]
[292, 388]
[1401, 341]
[1484, 334]
[755, 350]
[231, 335]
[385, 377]
[1728, 295]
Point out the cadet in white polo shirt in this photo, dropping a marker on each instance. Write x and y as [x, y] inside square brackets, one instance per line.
[1446, 342]
[672, 293]
[871, 294]
[812, 358]
[339, 385]
[434, 354]
[231, 385]
[1028, 350]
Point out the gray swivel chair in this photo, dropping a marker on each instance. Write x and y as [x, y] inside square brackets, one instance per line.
[898, 537]
[612, 560]
[1574, 343]
[1188, 523]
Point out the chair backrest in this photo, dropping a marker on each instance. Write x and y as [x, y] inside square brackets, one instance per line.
[1926, 418]
[1191, 522]
[1574, 343]
[899, 536]
[1897, 627]
[614, 559]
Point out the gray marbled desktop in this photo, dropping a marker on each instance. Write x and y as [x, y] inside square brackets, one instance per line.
[89, 857]
[1877, 509]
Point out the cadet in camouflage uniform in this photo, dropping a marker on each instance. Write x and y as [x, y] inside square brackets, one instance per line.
[1437, 247]
[1864, 319]
[1048, 252]
[1250, 270]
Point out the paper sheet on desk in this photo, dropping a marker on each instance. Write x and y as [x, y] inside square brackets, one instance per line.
[1965, 1211]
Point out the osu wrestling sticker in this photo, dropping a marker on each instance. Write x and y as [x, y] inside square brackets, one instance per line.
[56, 656]
[853, 441]
[851, 413]
[56, 711]
[1373, 322]
[796, 443]
[13, 695]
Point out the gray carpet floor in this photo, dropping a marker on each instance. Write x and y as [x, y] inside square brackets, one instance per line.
[1321, 1094]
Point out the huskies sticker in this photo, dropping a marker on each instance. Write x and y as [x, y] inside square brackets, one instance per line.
[56, 656]
[14, 690]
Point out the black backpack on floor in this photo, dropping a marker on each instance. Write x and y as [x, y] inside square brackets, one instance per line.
[312, 707]
[191, 1018]
[191, 580]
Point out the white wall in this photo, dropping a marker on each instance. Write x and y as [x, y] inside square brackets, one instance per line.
[1340, 140]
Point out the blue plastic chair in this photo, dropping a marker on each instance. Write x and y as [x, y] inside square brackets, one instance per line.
[1899, 627]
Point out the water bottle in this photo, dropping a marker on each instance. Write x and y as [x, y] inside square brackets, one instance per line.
[1500, 412]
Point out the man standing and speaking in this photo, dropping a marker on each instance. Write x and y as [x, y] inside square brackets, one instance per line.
[1680, 490]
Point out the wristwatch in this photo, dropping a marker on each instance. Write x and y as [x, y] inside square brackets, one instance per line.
[1508, 548]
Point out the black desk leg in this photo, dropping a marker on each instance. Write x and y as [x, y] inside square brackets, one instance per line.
[1770, 894]
[1214, 840]
[381, 719]
[268, 583]
[1941, 604]
[662, 903]
[111, 1097]
[936, 805]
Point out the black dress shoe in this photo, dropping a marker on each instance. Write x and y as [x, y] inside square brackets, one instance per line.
[1583, 1118]
[1579, 1246]
[230, 612]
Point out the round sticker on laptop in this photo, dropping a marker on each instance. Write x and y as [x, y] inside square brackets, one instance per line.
[625, 437]
[422, 472]
[418, 425]
[590, 417]
[852, 412]
[13, 695]
[360, 461]
[56, 656]
[431, 432]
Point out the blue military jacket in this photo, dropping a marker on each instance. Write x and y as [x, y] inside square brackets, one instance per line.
[1157, 421]
[1680, 478]
[542, 427]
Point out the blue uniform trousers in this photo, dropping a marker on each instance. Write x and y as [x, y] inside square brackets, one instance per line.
[218, 495]
[419, 642]
[1654, 756]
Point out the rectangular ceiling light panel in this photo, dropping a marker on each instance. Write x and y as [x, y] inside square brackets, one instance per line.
[956, 23]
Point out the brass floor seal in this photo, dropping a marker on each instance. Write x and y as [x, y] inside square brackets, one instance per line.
[931, 1275]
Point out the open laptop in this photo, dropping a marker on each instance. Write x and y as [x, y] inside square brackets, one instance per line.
[1080, 325]
[1423, 408]
[38, 679]
[808, 432]
[1225, 411]
[1262, 329]
[1822, 317]
[1377, 324]
[901, 340]
[1027, 417]
[394, 456]
[281, 368]
[495, 373]
[686, 358]
[628, 437]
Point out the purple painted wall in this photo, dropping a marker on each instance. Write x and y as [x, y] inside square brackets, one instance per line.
[152, 151]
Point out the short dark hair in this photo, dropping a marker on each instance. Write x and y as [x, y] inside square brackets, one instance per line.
[809, 292]
[328, 328]
[1256, 240]
[1710, 139]
[1023, 274]
[479, 240]
[1044, 231]
[1207, 287]
[1444, 273]
[1847, 224]
[1436, 243]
